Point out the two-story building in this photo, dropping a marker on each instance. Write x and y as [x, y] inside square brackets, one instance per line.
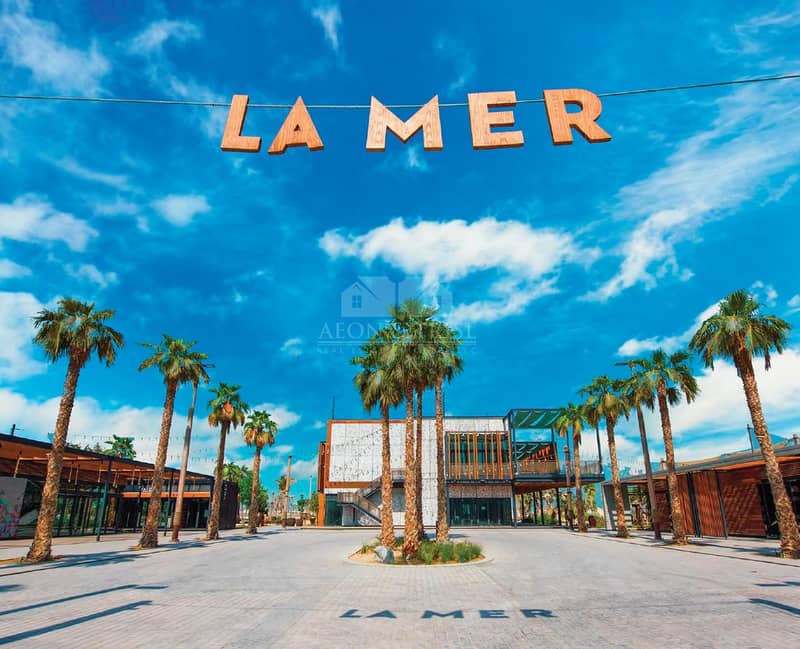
[489, 462]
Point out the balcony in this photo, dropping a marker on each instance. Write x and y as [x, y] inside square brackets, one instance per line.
[552, 471]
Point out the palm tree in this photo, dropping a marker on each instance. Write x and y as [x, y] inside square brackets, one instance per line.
[173, 358]
[259, 431]
[572, 416]
[671, 376]
[606, 401]
[120, 447]
[639, 392]
[739, 331]
[75, 330]
[445, 364]
[414, 318]
[197, 370]
[226, 409]
[378, 386]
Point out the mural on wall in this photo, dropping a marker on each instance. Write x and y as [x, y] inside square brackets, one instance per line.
[12, 492]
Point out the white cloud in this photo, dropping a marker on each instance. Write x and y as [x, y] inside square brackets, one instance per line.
[116, 207]
[90, 273]
[707, 177]
[635, 346]
[37, 45]
[764, 293]
[16, 334]
[525, 259]
[330, 17]
[453, 51]
[74, 168]
[303, 470]
[31, 218]
[318, 424]
[280, 414]
[153, 37]
[414, 160]
[181, 209]
[10, 269]
[794, 303]
[292, 347]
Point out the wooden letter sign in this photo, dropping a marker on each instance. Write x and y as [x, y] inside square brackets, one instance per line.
[584, 120]
[481, 120]
[232, 138]
[297, 130]
[381, 119]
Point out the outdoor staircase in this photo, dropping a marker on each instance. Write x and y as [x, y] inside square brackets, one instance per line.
[361, 504]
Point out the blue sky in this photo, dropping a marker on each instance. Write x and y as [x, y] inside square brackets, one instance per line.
[560, 260]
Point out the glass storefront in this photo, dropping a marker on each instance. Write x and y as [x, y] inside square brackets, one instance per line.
[480, 511]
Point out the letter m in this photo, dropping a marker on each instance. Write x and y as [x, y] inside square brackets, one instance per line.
[455, 614]
[381, 120]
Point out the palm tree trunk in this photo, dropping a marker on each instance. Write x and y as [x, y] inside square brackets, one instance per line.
[651, 488]
[576, 446]
[43, 538]
[150, 532]
[678, 526]
[387, 522]
[410, 534]
[252, 514]
[418, 453]
[177, 518]
[442, 530]
[212, 532]
[619, 503]
[787, 523]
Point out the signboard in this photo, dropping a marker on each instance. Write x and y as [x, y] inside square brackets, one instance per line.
[298, 129]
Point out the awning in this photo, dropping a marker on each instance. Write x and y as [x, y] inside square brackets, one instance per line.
[530, 418]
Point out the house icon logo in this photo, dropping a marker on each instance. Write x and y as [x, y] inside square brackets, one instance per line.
[372, 296]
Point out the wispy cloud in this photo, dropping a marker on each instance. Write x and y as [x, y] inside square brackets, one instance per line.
[453, 51]
[74, 168]
[636, 346]
[292, 347]
[280, 413]
[90, 273]
[10, 269]
[16, 347]
[181, 209]
[151, 39]
[330, 18]
[32, 218]
[710, 175]
[38, 46]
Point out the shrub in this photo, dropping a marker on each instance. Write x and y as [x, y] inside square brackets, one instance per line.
[467, 551]
[446, 552]
[427, 552]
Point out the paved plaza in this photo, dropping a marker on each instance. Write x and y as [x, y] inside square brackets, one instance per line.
[293, 588]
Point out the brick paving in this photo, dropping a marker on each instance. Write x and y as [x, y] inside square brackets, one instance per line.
[292, 588]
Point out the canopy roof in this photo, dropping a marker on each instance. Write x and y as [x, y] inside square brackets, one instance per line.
[533, 418]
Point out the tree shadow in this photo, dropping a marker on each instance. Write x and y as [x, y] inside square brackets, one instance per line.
[780, 584]
[778, 605]
[32, 633]
[10, 587]
[71, 598]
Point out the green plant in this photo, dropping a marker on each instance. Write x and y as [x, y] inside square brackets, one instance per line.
[446, 552]
[427, 552]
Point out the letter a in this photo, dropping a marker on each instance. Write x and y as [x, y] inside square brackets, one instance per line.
[297, 130]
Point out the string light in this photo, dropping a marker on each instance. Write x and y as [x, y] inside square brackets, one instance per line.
[458, 104]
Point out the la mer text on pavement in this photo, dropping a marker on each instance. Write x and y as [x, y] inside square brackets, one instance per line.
[298, 129]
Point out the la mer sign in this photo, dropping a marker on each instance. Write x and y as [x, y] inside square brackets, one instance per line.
[298, 128]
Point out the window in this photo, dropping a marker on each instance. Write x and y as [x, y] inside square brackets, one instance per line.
[355, 301]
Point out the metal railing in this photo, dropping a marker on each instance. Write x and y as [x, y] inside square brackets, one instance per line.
[357, 500]
[551, 467]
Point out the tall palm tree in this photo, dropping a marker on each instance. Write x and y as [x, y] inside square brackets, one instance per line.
[639, 392]
[672, 377]
[226, 409]
[572, 416]
[259, 431]
[174, 359]
[605, 400]
[739, 331]
[378, 386]
[197, 370]
[120, 447]
[414, 318]
[75, 331]
[446, 363]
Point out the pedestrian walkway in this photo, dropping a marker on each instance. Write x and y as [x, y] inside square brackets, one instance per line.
[290, 588]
